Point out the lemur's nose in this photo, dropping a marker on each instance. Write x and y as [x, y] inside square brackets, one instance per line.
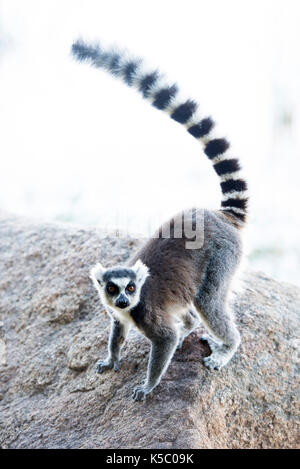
[122, 302]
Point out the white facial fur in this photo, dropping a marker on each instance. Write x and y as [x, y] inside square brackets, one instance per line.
[100, 281]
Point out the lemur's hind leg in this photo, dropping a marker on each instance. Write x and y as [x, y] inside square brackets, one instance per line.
[190, 320]
[211, 304]
[224, 337]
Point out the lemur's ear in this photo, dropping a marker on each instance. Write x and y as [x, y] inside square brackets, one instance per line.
[97, 273]
[141, 270]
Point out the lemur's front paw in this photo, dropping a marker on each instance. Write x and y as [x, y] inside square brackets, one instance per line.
[139, 393]
[104, 365]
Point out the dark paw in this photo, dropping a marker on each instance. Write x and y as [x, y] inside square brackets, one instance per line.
[103, 365]
[139, 394]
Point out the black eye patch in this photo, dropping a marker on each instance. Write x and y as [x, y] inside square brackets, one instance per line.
[112, 289]
[130, 288]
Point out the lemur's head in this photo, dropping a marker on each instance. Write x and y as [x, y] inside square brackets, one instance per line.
[120, 287]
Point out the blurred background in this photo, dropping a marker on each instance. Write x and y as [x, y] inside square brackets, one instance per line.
[80, 147]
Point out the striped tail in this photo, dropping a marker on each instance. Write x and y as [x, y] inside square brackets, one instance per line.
[164, 96]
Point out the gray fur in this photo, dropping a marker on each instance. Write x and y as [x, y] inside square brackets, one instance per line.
[116, 339]
[180, 278]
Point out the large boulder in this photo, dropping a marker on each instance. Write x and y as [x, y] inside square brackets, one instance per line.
[53, 330]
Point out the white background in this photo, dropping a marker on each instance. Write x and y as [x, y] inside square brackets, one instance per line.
[77, 145]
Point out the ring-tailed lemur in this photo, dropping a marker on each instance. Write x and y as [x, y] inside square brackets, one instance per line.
[165, 282]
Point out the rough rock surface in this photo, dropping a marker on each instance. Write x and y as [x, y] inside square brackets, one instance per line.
[53, 330]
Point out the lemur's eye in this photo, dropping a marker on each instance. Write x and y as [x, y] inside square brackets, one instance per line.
[111, 288]
[131, 288]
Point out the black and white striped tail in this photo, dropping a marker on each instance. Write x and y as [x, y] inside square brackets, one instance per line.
[164, 96]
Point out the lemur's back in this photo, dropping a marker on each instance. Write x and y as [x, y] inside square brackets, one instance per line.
[184, 273]
[172, 264]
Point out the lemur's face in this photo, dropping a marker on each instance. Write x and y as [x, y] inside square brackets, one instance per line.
[120, 287]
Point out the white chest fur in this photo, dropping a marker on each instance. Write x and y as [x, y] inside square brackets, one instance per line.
[122, 316]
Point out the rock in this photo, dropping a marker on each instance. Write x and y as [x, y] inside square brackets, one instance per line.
[53, 331]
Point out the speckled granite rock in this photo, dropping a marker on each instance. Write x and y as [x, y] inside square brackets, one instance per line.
[52, 332]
